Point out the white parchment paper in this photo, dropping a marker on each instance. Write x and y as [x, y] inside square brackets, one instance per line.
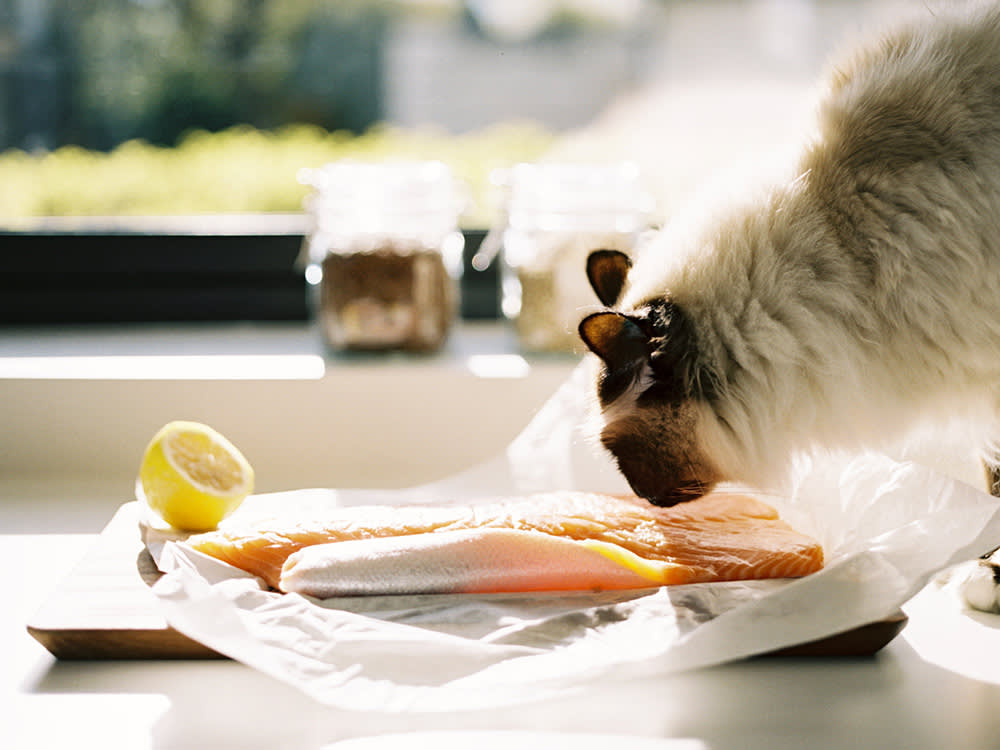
[886, 528]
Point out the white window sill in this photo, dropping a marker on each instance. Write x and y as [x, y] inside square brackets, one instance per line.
[82, 403]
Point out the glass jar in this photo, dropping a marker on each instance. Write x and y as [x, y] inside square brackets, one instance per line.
[556, 214]
[385, 253]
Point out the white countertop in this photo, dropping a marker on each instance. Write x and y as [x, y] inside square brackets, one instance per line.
[937, 685]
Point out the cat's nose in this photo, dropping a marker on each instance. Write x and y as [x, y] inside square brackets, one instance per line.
[681, 493]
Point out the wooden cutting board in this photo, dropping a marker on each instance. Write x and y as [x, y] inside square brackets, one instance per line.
[104, 609]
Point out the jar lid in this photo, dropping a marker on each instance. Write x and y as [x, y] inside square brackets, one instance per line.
[355, 205]
[567, 197]
[402, 187]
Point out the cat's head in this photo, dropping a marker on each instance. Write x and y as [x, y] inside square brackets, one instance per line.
[652, 389]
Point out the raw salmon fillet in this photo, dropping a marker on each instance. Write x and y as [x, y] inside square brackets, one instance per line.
[564, 541]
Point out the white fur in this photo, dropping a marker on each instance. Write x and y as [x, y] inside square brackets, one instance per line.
[817, 350]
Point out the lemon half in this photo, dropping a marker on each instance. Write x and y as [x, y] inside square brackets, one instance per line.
[193, 477]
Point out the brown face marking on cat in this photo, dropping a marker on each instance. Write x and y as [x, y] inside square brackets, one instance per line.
[653, 438]
[648, 388]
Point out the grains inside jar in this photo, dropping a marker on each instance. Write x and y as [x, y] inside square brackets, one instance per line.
[388, 297]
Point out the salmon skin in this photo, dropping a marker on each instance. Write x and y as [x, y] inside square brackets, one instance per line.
[468, 561]
[551, 541]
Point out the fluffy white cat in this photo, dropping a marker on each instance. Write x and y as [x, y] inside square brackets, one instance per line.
[842, 306]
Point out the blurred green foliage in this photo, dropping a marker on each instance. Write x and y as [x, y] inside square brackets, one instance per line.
[243, 169]
[99, 72]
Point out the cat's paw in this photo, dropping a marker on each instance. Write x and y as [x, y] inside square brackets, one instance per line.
[978, 582]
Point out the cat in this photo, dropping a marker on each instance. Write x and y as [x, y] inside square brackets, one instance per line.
[853, 300]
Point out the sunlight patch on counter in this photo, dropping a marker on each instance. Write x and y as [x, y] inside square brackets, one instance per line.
[498, 366]
[165, 367]
[505, 739]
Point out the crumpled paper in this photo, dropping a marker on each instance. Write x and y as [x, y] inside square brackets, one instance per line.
[886, 527]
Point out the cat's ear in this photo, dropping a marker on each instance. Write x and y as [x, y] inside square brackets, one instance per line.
[607, 270]
[664, 337]
[615, 338]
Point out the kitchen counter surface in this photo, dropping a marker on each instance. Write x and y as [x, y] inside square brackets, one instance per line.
[937, 685]
[66, 464]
